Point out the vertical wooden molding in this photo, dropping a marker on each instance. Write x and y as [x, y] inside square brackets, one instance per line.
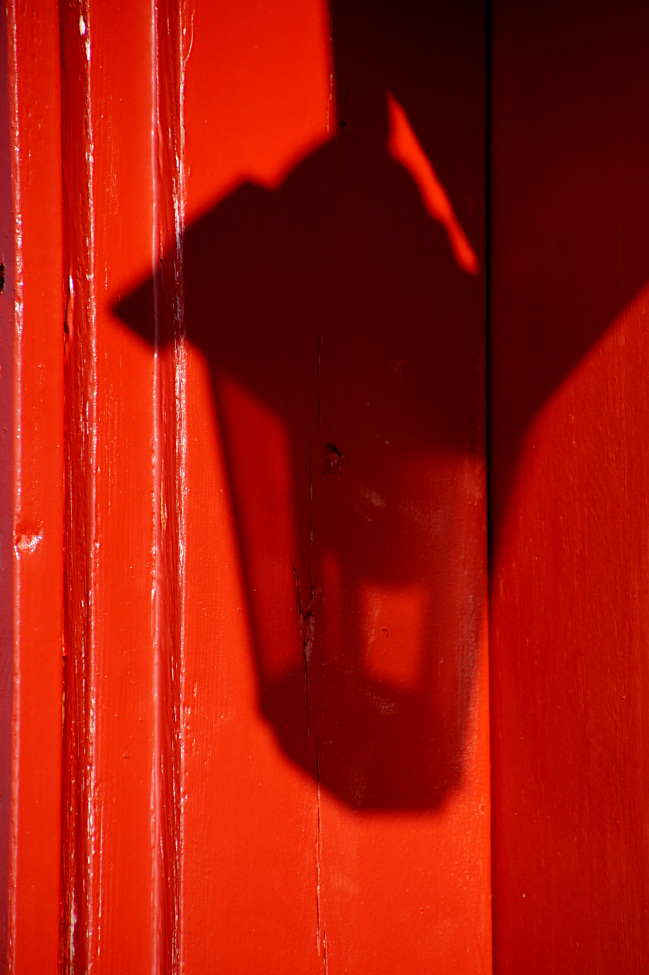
[30, 488]
[112, 758]
[31, 354]
[80, 492]
[170, 460]
[7, 439]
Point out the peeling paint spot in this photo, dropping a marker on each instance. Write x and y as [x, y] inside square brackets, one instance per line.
[306, 622]
[73, 924]
[82, 26]
[27, 541]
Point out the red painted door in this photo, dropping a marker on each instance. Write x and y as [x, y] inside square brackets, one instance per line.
[568, 486]
[246, 311]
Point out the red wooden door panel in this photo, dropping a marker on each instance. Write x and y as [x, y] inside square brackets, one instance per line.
[112, 895]
[274, 697]
[31, 478]
[570, 265]
[243, 374]
[276, 735]
[336, 327]
[335, 787]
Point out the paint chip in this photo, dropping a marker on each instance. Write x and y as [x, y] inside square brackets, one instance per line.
[28, 541]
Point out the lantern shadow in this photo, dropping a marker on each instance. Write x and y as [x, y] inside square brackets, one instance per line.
[346, 348]
[336, 323]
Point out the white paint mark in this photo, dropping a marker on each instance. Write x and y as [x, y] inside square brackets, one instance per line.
[73, 925]
[28, 541]
[82, 26]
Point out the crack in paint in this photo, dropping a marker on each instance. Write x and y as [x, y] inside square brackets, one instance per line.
[317, 382]
[306, 627]
[321, 929]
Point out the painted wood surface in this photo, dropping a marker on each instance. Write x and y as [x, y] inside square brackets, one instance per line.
[276, 723]
[336, 767]
[569, 484]
[243, 374]
[334, 807]
[31, 547]
[272, 638]
[114, 895]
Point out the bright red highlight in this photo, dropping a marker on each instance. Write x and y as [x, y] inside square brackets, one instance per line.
[404, 145]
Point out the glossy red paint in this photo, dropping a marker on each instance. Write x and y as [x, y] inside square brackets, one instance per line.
[277, 673]
[111, 761]
[263, 326]
[32, 484]
[275, 737]
[7, 316]
[314, 283]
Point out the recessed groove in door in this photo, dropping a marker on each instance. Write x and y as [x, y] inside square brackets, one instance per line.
[171, 44]
[109, 848]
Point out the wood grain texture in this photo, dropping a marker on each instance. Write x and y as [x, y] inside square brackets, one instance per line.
[7, 427]
[248, 339]
[569, 481]
[32, 543]
[110, 788]
[327, 352]
[272, 296]
[170, 449]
